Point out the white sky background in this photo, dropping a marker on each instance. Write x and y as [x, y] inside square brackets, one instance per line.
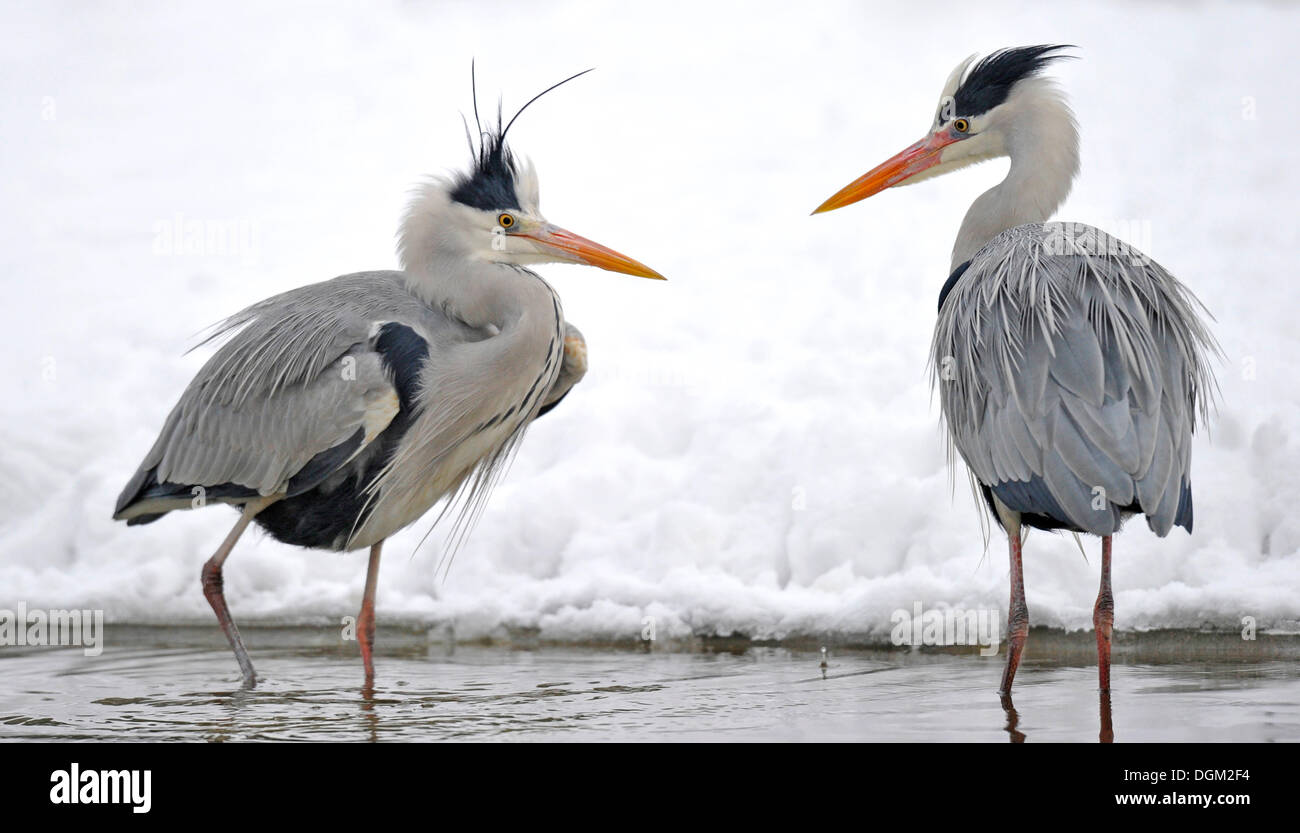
[755, 447]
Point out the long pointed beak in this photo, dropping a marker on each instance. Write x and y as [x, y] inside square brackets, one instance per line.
[910, 162]
[579, 249]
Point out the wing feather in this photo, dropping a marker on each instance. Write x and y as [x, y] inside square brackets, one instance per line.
[1089, 370]
[301, 381]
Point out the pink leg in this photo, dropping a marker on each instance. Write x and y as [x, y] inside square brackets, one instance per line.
[1017, 615]
[213, 587]
[366, 619]
[1107, 733]
[1103, 618]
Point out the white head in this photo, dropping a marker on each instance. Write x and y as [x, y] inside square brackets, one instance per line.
[999, 106]
[491, 214]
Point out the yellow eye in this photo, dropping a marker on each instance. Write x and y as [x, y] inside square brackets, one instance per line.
[506, 220]
[961, 125]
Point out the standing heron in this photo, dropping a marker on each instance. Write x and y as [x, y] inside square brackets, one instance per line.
[1071, 367]
[341, 412]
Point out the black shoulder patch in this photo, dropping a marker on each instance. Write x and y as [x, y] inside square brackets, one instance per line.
[951, 282]
[990, 82]
[403, 352]
[328, 512]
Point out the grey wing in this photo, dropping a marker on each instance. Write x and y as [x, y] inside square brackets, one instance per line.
[299, 392]
[1082, 382]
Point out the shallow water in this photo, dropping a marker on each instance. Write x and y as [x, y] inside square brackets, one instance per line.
[181, 684]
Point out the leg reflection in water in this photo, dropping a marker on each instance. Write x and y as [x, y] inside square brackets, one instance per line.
[1105, 735]
[1013, 719]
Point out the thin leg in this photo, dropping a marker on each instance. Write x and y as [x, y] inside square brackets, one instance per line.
[1103, 618]
[366, 620]
[1017, 614]
[213, 585]
[1107, 733]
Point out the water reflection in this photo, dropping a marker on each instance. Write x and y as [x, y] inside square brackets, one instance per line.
[1106, 734]
[1013, 720]
[369, 717]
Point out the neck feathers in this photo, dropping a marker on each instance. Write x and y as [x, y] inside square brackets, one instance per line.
[1042, 139]
[427, 233]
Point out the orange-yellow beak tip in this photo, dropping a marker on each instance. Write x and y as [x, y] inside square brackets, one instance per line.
[855, 192]
[626, 266]
[896, 170]
[581, 250]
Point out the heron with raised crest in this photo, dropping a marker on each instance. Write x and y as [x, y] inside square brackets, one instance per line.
[339, 413]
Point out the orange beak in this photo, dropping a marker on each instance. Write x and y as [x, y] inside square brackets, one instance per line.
[581, 250]
[910, 162]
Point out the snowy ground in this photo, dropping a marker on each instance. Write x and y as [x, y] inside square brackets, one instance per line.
[755, 449]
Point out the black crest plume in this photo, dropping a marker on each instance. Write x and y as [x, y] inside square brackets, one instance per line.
[490, 183]
[990, 82]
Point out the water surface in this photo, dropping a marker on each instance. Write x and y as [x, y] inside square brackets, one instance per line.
[181, 684]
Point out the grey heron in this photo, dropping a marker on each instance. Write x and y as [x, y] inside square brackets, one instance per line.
[340, 412]
[1071, 368]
